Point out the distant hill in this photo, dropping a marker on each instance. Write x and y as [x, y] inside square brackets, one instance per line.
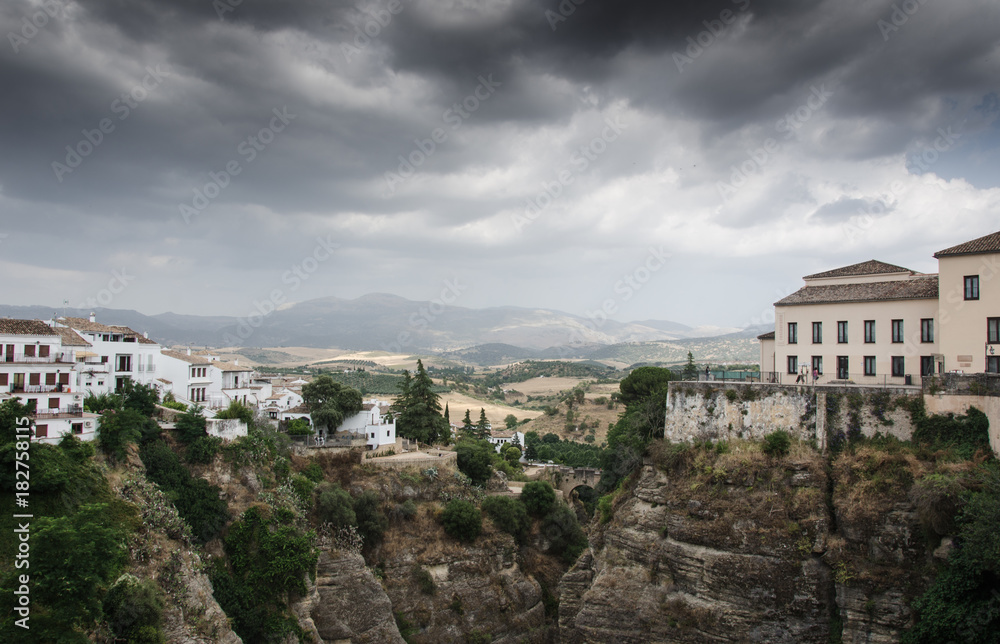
[498, 335]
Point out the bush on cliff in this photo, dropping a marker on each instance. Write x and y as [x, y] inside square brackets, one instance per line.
[462, 520]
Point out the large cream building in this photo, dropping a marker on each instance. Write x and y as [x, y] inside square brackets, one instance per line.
[878, 323]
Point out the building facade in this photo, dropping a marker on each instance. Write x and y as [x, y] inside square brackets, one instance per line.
[877, 323]
[116, 354]
[38, 371]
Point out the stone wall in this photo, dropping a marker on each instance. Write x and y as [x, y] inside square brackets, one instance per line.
[711, 410]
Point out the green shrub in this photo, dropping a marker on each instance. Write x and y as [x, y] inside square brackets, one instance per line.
[964, 434]
[605, 505]
[237, 411]
[777, 443]
[507, 514]
[299, 427]
[538, 497]
[282, 468]
[408, 509]
[372, 522]
[303, 489]
[313, 472]
[333, 506]
[203, 450]
[475, 458]
[562, 530]
[462, 520]
[133, 610]
[117, 430]
[191, 425]
[197, 501]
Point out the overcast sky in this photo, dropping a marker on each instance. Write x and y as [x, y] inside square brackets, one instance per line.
[678, 161]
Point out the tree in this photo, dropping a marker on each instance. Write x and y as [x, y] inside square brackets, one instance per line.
[467, 424]
[419, 409]
[475, 459]
[142, 398]
[447, 415]
[538, 497]
[117, 430]
[508, 514]
[690, 371]
[330, 402]
[511, 454]
[510, 421]
[238, 411]
[334, 506]
[644, 382]
[483, 426]
[191, 425]
[372, 522]
[462, 520]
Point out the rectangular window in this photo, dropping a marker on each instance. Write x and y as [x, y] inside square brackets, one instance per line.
[77, 428]
[53, 403]
[793, 333]
[842, 332]
[50, 378]
[972, 287]
[43, 351]
[123, 363]
[927, 330]
[34, 378]
[897, 331]
[993, 364]
[817, 364]
[926, 365]
[29, 351]
[793, 364]
[869, 331]
[843, 367]
[869, 365]
[4, 380]
[817, 333]
[41, 431]
[993, 330]
[898, 366]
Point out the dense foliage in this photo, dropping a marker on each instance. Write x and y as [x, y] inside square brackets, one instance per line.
[462, 520]
[963, 604]
[552, 448]
[418, 409]
[475, 459]
[538, 497]
[508, 514]
[330, 402]
[268, 558]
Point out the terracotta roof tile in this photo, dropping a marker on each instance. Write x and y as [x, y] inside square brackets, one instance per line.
[766, 336]
[181, 355]
[83, 324]
[986, 244]
[10, 326]
[229, 366]
[917, 288]
[71, 338]
[871, 267]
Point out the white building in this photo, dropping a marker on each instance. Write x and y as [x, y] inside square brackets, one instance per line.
[212, 383]
[500, 438]
[124, 353]
[281, 400]
[35, 369]
[373, 422]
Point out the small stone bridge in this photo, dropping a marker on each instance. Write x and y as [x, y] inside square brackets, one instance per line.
[568, 479]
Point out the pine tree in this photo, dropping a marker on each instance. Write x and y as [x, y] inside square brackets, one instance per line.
[419, 409]
[447, 416]
[690, 371]
[467, 424]
[482, 427]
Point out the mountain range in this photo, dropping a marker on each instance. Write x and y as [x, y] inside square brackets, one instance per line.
[391, 323]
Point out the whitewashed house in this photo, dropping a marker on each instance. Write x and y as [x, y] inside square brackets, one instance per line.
[116, 354]
[373, 422]
[500, 438]
[39, 372]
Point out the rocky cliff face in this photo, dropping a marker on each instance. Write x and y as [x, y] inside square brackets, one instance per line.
[346, 603]
[741, 547]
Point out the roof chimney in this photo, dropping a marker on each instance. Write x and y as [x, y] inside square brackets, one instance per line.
[189, 350]
[236, 362]
[93, 317]
[145, 334]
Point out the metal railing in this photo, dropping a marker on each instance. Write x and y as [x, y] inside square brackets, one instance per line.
[72, 410]
[55, 358]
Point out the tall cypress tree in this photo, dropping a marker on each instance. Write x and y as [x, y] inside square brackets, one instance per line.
[419, 409]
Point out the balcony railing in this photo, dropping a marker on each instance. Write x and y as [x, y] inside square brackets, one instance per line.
[49, 412]
[38, 389]
[841, 378]
[55, 358]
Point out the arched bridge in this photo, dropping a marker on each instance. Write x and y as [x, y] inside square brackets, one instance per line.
[568, 479]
